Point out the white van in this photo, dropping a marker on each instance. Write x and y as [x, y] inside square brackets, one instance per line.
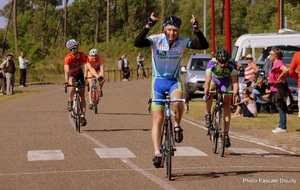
[255, 43]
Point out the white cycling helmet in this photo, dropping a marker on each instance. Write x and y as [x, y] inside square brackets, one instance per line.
[71, 43]
[93, 52]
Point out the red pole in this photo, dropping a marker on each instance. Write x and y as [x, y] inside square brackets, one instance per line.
[213, 34]
[227, 25]
[278, 15]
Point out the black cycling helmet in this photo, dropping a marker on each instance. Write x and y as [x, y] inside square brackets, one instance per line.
[172, 20]
[222, 55]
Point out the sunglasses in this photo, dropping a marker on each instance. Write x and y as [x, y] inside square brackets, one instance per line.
[248, 58]
[72, 49]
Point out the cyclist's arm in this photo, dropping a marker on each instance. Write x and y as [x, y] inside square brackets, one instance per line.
[235, 85]
[92, 70]
[200, 43]
[141, 40]
[101, 70]
[67, 71]
[208, 77]
[85, 71]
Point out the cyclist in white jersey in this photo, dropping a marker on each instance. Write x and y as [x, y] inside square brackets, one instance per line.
[167, 50]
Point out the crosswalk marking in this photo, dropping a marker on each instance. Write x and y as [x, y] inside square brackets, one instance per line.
[188, 151]
[45, 155]
[114, 153]
[252, 152]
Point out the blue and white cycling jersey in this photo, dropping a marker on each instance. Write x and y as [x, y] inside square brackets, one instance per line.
[166, 62]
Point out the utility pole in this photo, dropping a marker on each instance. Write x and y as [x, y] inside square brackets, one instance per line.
[227, 26]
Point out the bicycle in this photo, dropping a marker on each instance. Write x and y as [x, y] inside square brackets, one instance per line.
[167, 149]
[95, 93]
[76, 112]
[217, 128]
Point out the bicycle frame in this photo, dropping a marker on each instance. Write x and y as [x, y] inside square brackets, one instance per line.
[95, 95]
[76, 112]
[167, 138]
[217, 130]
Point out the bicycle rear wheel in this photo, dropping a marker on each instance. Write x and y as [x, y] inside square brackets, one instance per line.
[214, 135]
[222, 132]
[169, 150]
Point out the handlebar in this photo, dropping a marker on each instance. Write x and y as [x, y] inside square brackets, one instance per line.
[169, 100]
[78, 86]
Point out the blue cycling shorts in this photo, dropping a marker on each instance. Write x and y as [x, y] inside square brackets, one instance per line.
[160, 86]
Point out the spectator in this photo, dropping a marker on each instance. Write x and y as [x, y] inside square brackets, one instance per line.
[140, 66]
[23, 66]
[9, 68]
[2, 82]
[125, 67]
[252, 82]
[251, 67]
[295, 65]
[247, 105]
[279, 88]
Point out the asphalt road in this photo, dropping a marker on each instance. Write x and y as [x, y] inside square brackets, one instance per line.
[40, 149]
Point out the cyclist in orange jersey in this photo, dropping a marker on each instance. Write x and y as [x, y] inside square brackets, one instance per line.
[94, 68]
[73, 62]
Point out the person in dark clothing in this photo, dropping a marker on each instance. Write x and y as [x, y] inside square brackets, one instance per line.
[9, 68]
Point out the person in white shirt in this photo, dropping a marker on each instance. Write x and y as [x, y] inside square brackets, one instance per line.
[23, 67]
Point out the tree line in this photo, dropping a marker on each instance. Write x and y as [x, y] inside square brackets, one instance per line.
[41, 27]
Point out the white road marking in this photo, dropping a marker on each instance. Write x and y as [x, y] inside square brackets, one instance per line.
[188, 151]
[45, 155]
[252, 152]
[133, 166]
[114, 153]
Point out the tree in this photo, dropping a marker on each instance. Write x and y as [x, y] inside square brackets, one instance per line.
[15, 25]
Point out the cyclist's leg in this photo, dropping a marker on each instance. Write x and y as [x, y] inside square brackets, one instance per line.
[80, 78]
[157, 92]
[177, 92]
[209, 102]
[226, 86]
[71, 81]
[90, 81]
[158, 116]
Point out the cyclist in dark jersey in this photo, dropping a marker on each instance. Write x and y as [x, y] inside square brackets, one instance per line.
[221, 75]
[167, 50]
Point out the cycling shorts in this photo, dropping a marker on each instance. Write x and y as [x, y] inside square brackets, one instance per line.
[224, 84]
[79, 77]
[90, 74]
[160, 86]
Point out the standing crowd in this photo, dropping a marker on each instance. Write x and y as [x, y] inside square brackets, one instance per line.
[7, 73]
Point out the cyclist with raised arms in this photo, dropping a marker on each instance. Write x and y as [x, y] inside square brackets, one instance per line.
[73, 63]
[167, 50]
[221, 74]
[94, 68]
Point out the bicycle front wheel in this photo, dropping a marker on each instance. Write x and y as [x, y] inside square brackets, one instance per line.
[214, 135]
[169, 150]
[77, 114]
[95, 100]
[222, 132]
